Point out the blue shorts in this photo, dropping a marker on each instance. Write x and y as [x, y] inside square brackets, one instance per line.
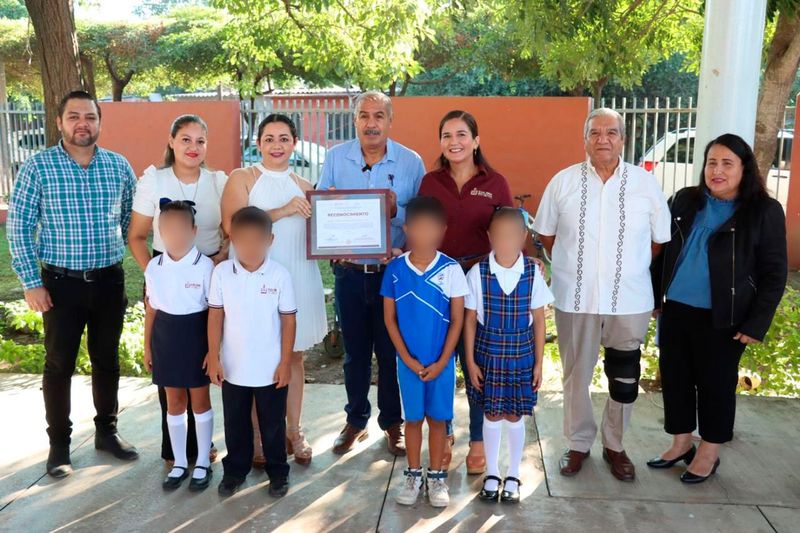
[427, 398]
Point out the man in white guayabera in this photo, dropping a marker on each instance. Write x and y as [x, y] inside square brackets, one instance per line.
[601, 220]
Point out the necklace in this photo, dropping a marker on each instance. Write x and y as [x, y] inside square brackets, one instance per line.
[183, 191]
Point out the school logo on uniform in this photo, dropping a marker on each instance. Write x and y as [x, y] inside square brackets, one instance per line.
[268, 290]
[192, 285]
[478, 192]
[438, 278]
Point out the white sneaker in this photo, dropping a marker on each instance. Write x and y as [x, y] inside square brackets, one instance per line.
[412, 483]
[438, 492]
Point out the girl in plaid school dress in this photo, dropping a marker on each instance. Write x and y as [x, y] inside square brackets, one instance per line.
[504, 341]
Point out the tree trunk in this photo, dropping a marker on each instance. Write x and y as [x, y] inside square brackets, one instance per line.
[783, 61]
[597, 90]
[118, 82]
[87, 67]
[54, 26]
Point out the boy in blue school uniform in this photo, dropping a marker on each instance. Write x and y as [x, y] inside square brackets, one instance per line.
[423, 300]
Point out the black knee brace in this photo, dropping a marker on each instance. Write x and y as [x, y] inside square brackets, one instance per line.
[623, 364]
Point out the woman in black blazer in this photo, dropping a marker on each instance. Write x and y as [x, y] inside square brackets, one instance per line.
[717, 284]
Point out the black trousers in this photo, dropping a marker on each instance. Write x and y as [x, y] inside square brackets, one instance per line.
[99, 308]
[360, 308]
[699, 372]
[237, 406]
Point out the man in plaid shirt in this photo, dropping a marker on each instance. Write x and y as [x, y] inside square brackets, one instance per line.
[67, 221]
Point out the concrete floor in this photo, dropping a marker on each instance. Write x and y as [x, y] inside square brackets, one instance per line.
[757, 487]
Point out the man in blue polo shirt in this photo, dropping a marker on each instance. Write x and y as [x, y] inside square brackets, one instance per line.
[372, 161]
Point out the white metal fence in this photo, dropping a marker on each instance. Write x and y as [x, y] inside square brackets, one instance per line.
[660, 137]
[21, 136]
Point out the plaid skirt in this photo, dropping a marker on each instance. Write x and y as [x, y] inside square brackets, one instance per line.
[506, 360]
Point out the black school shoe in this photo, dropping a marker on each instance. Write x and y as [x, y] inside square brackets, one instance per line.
[229, 485]
[510, 496]
[278, 487]
[58, 463]
[490, 495]
[116, 445]
[197, 485]
[172, 483]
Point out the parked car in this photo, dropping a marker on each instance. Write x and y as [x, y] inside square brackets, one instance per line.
[671, 161]
[306, 160]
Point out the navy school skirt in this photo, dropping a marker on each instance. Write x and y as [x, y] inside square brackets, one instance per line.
[179, 343]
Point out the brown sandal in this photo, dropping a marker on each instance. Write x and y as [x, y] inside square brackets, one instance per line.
[297, 445]
[476, 463]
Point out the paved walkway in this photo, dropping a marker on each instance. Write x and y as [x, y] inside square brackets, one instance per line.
[756, 489]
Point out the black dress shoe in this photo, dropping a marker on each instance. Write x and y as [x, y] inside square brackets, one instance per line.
[278, 487]
[172, 482]
[658, 462]
[510, 496]
[490, 495]
[229, 485]
[115, 445]
[693, 479]
[58, 463]
[196, 485]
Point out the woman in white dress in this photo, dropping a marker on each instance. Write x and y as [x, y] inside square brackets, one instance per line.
[271, 186]
[183, 176]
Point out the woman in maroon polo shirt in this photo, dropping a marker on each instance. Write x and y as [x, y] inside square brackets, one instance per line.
[470, 191]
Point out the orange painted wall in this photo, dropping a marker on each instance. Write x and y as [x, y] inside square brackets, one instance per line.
[139, 130]
[793, 203]
[527, 140]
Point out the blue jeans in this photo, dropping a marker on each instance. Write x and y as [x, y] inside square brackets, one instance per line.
[475, 411]
[360, 308]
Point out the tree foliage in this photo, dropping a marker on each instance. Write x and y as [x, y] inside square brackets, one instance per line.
[584, 44]
[371, 44]
[13, 9]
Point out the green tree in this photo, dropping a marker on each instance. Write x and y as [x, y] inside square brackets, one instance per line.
[123, 49]
[584, 45]
[190, 53]
[371, 44]
[13, 9]
[19, 59]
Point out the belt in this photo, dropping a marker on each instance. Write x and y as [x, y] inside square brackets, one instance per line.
[366, 269]
[86, 275]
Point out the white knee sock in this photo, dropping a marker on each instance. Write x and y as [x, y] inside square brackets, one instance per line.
[177, 436]
[491, 443]
[204, 427]
[516, 444]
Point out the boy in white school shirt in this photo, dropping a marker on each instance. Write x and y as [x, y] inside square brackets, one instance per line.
[252, 318]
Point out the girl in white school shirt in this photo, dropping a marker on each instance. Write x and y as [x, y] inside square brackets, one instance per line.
[176, 339]
[182, 176]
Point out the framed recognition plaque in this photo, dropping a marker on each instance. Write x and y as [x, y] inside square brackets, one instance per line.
[349, 224]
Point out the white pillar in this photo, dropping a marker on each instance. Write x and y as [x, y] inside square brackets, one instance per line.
[730, 69]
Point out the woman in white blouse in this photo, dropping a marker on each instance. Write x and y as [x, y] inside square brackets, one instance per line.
[183, 176]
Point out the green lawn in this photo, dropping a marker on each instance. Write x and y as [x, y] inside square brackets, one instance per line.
[10, 288]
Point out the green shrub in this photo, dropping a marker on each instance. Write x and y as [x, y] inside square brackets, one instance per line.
[29, 358]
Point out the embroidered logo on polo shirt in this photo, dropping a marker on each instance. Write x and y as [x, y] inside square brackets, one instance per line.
[192, 285]
[268, 290]
[478, 192]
